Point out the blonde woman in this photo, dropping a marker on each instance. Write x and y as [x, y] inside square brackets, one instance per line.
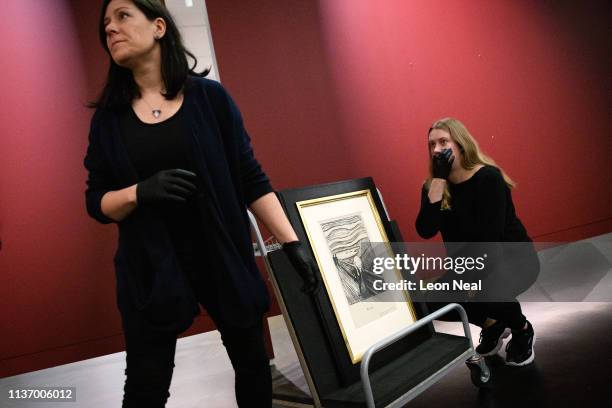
[467, 198]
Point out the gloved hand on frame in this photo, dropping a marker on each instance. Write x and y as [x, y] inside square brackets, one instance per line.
[303, 264]
[167, 185]
[442, 164]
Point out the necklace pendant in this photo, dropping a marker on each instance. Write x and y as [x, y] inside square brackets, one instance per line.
[156, 113]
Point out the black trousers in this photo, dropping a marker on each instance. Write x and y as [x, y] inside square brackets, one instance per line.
[150, 359]
[499, 301]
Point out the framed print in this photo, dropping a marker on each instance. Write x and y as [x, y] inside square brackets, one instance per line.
[333, 327]
[340, 229]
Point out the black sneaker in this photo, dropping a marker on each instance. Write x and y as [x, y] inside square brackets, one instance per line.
[520, 350]
[491, 338]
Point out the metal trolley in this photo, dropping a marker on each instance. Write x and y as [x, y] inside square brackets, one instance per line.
[481, 375]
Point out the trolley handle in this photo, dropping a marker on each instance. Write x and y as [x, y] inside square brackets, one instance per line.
[365, 361]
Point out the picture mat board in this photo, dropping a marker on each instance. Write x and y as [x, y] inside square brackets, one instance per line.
[373, 318]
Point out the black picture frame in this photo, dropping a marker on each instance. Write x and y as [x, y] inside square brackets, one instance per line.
[316, 325]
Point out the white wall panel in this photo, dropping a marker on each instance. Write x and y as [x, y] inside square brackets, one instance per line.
[195, 30]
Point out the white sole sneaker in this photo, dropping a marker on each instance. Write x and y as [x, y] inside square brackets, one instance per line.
[498, 346]
[529, 360]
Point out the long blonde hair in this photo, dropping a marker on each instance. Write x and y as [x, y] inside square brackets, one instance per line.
[472, 155]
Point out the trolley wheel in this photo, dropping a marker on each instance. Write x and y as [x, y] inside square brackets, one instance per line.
[479, 378]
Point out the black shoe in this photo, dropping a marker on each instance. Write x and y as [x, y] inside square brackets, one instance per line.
[520, 350]
[491, 338]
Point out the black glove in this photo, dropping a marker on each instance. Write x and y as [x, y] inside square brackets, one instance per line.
[303, 264]
[442, 164]
[166, 185]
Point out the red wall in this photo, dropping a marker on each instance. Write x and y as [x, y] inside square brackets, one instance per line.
[529, 79]
[271, 59]
[57, 291]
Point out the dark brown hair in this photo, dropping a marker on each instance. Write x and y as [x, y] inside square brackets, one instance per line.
[120, 88]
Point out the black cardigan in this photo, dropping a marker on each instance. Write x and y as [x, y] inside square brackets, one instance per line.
[229, 177]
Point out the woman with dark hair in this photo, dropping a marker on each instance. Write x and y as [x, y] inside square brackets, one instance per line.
[467, 198]
[170, 162]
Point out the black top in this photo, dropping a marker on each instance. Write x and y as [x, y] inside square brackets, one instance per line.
[153, 147]
[230, 178]
[481, 211]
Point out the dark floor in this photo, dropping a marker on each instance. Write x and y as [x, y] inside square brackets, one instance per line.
[573, 368]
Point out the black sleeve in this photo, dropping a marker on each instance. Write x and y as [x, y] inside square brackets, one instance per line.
[100, 179]
[255, 182]
[429, 219]
[491, 202]
[490, 221]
